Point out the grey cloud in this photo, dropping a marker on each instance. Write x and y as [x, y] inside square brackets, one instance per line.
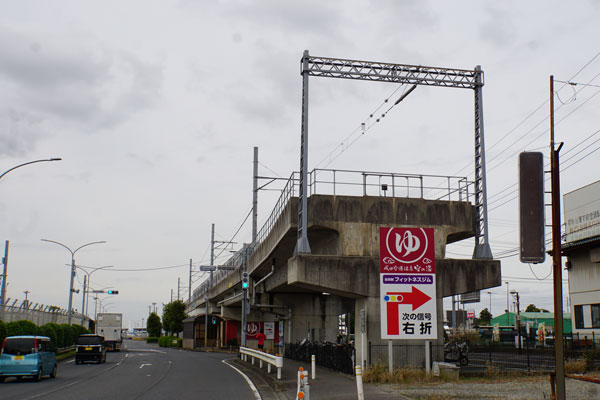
[498, 29]
[82, 85]
[404, 16]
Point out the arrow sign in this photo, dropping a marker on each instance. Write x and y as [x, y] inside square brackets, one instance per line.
[416, 298]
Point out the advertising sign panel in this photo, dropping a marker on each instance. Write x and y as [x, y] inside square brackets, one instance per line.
[407, 283]
[582, 212]
[270, 330]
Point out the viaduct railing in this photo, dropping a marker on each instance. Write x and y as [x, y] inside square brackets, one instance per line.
[353, 183]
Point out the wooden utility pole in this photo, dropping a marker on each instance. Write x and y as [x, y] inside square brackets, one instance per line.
[557, 257]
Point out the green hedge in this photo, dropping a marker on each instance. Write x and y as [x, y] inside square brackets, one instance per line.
[63, 335]
[2, 331]
[167, 341]
[151, 339]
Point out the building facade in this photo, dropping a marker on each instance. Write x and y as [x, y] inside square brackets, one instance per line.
[581, 246]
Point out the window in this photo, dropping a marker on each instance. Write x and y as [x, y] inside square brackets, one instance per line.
[19, 346]
[579, 316]
[595, 315]
[90, 340]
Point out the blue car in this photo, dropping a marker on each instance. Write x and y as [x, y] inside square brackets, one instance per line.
[32, 356]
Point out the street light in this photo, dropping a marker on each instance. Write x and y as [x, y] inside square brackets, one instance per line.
[72, 269]
[30, 162]
[84, 305]
[5, 261]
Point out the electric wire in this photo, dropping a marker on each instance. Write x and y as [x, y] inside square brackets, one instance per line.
[344, 145]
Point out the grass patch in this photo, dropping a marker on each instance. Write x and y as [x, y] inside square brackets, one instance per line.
[379, 373]
[64, 356]
[576, 366]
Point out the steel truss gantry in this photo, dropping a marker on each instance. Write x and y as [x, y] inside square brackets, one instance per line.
[403, 74]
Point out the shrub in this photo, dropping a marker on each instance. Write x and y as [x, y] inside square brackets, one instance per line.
[167, 341]
[28, 328]
[13, 329]
[48, 330]
[379, 373]
[79, 330]
[468, 336]
[60, 337]
[151, 339]
[2, 330]
[68, 339]
[576, 366]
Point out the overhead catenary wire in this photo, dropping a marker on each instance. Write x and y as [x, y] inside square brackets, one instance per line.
[363, 128]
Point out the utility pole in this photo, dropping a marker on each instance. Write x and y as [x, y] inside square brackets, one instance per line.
[154, 307]
[171, 295]
[190, 284]
[4, 273]
[26, 302]
[244, 292]
[556, 256]
[149, 310]
[83, 295]
[516, 294]
[490, 310]
[178, 283]
[255, 198]
[507, 305]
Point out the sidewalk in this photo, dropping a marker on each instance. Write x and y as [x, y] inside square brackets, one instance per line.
[328, 384]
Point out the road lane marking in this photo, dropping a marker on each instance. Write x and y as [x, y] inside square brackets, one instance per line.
[70, 361]
[77, 381]
[250, 383]
[143, 365]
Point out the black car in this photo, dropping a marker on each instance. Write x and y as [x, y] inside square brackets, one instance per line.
[90, 348]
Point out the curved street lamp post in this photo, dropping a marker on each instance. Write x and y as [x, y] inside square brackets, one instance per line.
[72, 270]
[5, 260]
[86, 287]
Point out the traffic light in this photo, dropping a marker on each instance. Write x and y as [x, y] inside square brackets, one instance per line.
[244, 280]
[112, 291]
[214, 320]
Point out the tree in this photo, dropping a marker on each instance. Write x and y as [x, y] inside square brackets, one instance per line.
[485, 317]
[153, 326]
[532, 308]
[173, 316]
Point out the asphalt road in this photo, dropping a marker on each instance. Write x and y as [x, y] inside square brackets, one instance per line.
[139, 371]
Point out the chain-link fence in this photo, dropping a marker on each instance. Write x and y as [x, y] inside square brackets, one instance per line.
[40, 316]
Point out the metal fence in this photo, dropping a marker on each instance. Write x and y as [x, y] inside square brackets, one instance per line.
[534, 355]
[403, 355]
[39, 314]
[338, 357]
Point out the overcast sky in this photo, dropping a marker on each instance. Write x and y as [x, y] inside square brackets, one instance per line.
[155, 106]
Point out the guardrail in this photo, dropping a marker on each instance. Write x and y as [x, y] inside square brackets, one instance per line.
[270, 359]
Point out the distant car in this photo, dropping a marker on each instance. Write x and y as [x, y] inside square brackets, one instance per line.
[90, 348]
[33, 356]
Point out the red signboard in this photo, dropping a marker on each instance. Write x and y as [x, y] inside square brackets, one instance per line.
[406, 250]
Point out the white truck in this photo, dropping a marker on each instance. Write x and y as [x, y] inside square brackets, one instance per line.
[109, 325]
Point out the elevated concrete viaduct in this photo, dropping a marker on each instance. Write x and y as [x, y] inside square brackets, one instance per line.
[310, 291]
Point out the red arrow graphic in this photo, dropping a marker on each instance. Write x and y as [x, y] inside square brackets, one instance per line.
[416, 298]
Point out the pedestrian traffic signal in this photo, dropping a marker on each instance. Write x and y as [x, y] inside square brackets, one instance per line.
[244, 280]
[112, 291]
[214, 320]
